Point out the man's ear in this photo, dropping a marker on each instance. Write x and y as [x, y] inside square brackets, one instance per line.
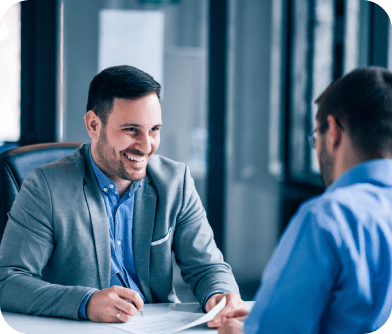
[93, 124]
[334, 134]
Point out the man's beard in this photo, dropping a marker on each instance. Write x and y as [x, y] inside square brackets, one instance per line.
[327, 164]
[107, 158]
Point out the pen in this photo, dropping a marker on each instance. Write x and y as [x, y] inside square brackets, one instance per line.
[125, 286]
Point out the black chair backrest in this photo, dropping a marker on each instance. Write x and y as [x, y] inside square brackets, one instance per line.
[15, 164]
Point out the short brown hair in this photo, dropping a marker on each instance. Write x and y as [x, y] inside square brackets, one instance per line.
[125, 82]
[362, 102]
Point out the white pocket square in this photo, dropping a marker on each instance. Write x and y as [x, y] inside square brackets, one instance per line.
[158, 242]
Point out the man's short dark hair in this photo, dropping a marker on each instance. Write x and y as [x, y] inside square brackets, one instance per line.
[124, 82]
[362, 102]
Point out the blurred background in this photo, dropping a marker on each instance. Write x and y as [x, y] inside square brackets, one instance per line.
[239, 79]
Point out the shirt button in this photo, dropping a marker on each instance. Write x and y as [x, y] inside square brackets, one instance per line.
[111, 186]
[119, 242]
[105, 190]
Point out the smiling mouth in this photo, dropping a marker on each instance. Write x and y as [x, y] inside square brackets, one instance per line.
[135, 158]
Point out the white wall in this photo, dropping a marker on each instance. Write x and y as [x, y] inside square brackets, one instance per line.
[80, 64]
[252, 192]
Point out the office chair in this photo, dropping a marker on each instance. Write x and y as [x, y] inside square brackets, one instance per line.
[15, 163]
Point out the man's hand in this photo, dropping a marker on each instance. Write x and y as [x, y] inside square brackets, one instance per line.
[231, 326]
[233, 323]
[233, 303]
[111, 305]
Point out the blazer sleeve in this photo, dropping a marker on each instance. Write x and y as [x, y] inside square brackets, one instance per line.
[201, 262]
[25, 250]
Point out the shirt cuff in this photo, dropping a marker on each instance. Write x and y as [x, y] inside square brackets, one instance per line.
[210, 294]
[82, 307]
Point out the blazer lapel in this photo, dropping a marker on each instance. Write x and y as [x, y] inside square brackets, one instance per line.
[99, 222]
[143, 226]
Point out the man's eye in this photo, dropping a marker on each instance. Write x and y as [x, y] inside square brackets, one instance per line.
[130, 129]
[157, 128]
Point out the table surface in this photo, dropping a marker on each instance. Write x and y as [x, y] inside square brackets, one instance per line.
[29, 324]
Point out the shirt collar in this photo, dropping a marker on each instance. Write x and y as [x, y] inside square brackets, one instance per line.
[105, 183]
[372, 171]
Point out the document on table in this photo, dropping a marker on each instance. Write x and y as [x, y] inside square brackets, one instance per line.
[171, 322]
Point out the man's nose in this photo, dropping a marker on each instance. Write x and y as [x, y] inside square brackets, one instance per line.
[144, 144]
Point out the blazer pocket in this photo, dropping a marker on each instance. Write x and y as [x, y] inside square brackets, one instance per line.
[161, 241]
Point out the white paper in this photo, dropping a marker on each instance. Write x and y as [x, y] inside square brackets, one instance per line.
[171, 322]
[207, 317]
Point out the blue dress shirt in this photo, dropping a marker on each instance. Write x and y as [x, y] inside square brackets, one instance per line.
[120, 217]
[331, 271]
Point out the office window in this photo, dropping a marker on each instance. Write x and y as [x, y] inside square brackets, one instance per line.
[390, 49]
[312, 70]
[328, 39]
[10, 72]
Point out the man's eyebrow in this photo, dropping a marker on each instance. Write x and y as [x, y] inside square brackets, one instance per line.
[134, 125]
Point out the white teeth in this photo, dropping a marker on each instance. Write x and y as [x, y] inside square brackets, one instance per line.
[133, 157]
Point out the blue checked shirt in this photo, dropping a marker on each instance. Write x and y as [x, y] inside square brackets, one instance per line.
[120, 217]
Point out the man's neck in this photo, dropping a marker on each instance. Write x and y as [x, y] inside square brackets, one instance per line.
[123, 186]
[347, 158]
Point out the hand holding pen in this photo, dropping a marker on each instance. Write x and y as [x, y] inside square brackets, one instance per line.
[125, 286]
[111, 304]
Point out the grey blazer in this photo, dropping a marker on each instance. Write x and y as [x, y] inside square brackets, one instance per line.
[56, 244]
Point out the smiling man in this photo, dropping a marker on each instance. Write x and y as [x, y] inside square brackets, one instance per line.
[124, 143]
[112, 209]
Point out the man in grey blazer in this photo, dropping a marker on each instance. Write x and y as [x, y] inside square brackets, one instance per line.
[113, 208]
